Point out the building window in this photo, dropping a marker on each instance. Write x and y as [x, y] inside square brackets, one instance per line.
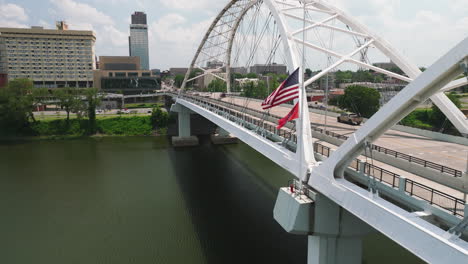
[133, 74]
[120, 74]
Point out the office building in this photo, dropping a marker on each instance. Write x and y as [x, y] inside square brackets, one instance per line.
[138, 40]
[265, 69]
[178, 71]
[52, 58]
[124, 74]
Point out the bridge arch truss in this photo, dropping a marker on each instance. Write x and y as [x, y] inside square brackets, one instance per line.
[333, 40]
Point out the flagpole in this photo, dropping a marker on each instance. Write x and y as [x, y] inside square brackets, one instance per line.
[301, 104]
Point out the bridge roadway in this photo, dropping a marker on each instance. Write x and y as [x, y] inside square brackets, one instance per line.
[423, 189]
[445, 153]
[333, 125]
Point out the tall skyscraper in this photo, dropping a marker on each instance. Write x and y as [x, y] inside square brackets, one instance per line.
[138, 40]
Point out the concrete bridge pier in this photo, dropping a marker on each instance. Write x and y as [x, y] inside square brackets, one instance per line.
[223, 137]
[334, 235]
[185, 138]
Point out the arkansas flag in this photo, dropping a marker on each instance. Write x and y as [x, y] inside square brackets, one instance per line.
[294, 114]
[287, 91]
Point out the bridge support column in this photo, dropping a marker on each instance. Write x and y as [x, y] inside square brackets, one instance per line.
[334, 235]
[223, 137]
[185, 138]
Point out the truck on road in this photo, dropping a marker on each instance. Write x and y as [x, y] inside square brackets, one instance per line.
[350, 118]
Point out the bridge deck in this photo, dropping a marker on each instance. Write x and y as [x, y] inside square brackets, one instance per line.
[448, 154]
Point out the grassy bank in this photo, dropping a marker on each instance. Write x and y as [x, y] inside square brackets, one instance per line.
[76, 128]
[147, 105]
[117, 126]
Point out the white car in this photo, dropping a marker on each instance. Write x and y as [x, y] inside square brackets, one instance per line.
[123, 111]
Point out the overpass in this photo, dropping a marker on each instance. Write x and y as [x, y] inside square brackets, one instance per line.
[340, 193]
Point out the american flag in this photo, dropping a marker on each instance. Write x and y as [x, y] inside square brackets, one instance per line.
[287, 91]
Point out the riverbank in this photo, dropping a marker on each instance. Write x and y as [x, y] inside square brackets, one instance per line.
[79, 128]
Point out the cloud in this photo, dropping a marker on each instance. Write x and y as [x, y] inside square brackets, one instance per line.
[422, 36]
[76, 11]
[192, 4]
[45, 24]
[174, 40]
[13, 11]
[12, 15]
[80, 16]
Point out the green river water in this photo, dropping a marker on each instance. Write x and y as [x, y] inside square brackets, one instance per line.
[138, 200]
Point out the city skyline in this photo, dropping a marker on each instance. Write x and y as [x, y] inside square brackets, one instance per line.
[421, 32]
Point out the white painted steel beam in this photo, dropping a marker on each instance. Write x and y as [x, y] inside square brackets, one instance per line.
[449, 109]
[276, 153]
[421, 238]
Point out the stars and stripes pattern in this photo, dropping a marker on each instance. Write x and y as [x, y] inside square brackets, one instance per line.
[287, 91]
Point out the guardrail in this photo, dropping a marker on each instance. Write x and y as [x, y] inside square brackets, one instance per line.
[399, 155]
[427, 164]
[396, 154]
[412, 188]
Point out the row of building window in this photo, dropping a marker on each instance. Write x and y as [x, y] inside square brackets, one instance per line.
[52, 76]
[25, 66]
[50, 56]
[27, 62]
[12, 69]
[52, 72]
[128, 74]
[39, 41]
[48, 47]
[49, 52]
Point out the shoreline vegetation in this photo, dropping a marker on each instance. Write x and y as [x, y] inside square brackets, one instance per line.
[59, 129]
[19, 99]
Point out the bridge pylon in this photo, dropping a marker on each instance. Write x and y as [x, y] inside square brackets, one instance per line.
[185, 138]
[334, 235]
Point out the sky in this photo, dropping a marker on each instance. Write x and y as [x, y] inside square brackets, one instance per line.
[423, 30]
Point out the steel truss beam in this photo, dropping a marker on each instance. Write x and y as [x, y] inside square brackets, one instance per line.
[420, 237]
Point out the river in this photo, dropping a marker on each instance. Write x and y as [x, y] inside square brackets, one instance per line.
[138, 200]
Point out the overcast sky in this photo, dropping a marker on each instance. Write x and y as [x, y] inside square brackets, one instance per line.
[423, 30]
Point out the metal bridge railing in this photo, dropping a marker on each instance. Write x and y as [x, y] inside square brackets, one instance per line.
[399, 155]
[435, 197]
[412, 188]
[396, 154]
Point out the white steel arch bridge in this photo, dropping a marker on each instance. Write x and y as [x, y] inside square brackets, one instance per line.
[314, 34]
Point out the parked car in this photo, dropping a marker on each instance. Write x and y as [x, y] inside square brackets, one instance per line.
[350, 118]
[123, 111]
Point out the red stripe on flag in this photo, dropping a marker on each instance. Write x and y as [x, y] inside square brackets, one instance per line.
[293, 114]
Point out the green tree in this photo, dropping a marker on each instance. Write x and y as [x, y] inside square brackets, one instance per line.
[308, 72]
[69, 99]
[438, 118]
[361, 100]
[178, 80]
[16, 106]
[237, 75]
[251, 75]
[93, 99]
[217, 85]
[363, 76]
[40, 96]
[159, 118]
[255, 90]
[192, 75]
